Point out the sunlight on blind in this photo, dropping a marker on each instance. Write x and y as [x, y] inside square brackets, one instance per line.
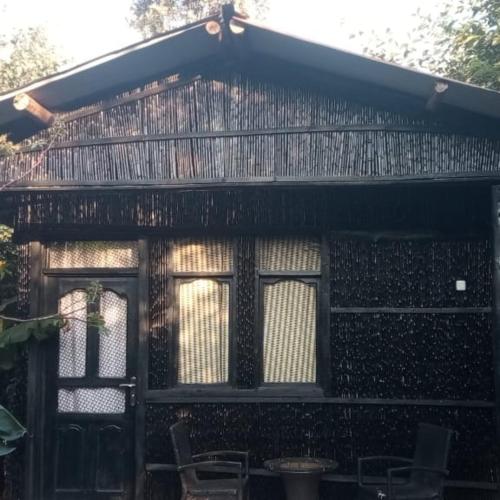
[203, 332]
[93, 254]
[202, 255]
[288, 254]
[289, 332]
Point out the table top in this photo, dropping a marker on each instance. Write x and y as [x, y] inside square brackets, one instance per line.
[301, 465]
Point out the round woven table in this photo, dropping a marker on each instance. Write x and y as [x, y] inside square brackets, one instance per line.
[301, 475]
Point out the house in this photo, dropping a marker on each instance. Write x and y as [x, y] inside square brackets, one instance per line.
[298, 248]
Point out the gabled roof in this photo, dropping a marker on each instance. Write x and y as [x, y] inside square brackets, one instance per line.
[211, 37]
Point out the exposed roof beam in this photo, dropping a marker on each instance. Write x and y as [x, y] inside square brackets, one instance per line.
[439, 89]
[26, 104]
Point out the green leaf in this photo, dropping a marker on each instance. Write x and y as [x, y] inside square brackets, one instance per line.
[94, 291]
[8, 357]
[97, 321]
[10, 428]
[7, 303]
[5, 450]
[39, 328]
[45, 328]
[16, 334]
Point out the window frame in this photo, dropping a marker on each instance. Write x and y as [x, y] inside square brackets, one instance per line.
[174, 280]
[317, 278]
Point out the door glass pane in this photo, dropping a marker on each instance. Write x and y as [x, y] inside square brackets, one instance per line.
[103, 400]
[288, 254]
[93, 254]
[113, 342]
[203, 332]
[73, 336]
[202, 255]
[289, 332]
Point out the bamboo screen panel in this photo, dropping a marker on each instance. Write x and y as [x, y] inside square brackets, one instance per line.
[202, 255]
[73, 337]
[96, 254]
[289, 254]
[203, 332]
[289, 332]
[113, 342]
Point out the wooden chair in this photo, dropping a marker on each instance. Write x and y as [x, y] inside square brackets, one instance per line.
[210, 489]
[425, 473]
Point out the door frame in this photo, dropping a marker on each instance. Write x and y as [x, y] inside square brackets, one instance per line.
[39, 355]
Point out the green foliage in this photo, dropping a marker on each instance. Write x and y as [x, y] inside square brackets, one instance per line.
[151, 17]
[10, 430]
[474, 43]
[461, 41]
[94, 291]
[8, 264]
[96, 321]
[16, 332]
[29, 56]
[7, 147]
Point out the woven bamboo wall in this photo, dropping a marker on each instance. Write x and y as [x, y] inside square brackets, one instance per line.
[441, 208]
[404, 355]
[235, 125]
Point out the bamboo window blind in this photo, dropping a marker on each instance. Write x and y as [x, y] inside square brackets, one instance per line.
[93, 254]
[289, 308]
[202, 309]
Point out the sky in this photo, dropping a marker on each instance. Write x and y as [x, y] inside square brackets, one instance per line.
[84, 29]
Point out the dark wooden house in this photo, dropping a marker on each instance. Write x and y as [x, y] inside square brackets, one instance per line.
[298, 248]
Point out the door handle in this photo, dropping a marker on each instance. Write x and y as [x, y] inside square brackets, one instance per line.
[131, 386]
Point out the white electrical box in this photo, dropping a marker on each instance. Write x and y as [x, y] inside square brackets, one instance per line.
[460, 285]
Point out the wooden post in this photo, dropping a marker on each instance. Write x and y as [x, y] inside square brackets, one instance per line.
[142, 369]
[496, 272]
[34, 417]
[23, 102]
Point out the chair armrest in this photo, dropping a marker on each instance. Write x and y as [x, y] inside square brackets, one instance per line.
[211, 463]
[411, 468]
[377, 458]
[228, 453]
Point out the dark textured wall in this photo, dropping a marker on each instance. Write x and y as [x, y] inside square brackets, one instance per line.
[398, 332]
[340, 431]
[390, 248]
[442, 208]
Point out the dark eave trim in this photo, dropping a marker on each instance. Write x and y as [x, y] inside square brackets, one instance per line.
[253, 182]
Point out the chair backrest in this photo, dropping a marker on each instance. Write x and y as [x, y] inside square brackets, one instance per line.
[431, 450]
[183, 454]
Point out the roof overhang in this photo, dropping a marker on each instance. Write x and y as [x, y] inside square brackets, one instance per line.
[197, 42]
[336, 62]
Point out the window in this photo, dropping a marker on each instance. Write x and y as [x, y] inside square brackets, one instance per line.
[93, 254]
[202, 280]
[90, 357]
[289, 277]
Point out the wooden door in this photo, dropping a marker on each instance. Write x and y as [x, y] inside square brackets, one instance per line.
[91, 392]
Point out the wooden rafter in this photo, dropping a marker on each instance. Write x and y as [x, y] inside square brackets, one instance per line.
[28, 105]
